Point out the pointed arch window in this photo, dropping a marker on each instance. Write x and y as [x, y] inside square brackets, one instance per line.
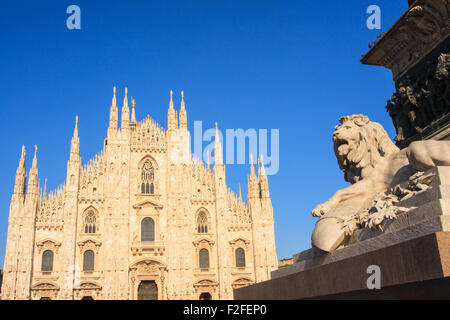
[47, 261]
[147, 178]
[148, 229]
[240, 258]
[90, 222]
[88, 260]
[203, 257]
[202, 222]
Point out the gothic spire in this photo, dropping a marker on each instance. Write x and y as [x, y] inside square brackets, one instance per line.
[259, 167]
[218, 156]
[252, 168]
[114, 100]
[75, 144]
[171, 100]
[182, 100]
[171, 117]
[45, 190]
[133, 111]
[263, 182]
[113, 115]
[33, 180]
[75, 131]
[125, 100]
[183, 115]
[21, 176]
[263, 170]
[253, 188]
[22, 159]
[34, 165]
[125, 119]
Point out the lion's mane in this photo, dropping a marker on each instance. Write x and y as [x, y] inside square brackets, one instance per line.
[370, 143]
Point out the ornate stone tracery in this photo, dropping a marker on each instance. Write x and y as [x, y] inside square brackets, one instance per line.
[147, 270]
[206, 286]
[48, 244]
[88, 289]
[44, 290]
[239, 242]
[89, 244]
[89, 223]
[242, 282]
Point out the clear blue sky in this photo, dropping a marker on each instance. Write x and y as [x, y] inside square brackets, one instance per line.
[287, 65]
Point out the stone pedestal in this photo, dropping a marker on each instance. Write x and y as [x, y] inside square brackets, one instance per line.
[414, 269]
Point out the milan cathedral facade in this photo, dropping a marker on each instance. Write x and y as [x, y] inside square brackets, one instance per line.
[143, 219]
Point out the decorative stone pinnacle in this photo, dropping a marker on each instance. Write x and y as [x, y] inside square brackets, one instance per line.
[182, 99]
[125, 99]
[114, 96]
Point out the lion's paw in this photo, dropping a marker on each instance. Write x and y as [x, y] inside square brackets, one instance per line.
[320, 210]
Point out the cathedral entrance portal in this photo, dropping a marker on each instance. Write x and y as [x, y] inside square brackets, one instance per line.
[147, 280]
[148, 290]
[205, 296]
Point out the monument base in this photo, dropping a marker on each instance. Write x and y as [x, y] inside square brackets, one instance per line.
[412, 252]
[415, 269]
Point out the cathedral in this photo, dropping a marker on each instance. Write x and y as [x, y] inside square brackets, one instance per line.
[143, 219]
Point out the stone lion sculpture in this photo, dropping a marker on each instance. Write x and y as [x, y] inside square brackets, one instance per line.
[373, 164]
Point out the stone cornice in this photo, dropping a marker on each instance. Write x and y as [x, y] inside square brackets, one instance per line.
[150, 202]
[418, 31]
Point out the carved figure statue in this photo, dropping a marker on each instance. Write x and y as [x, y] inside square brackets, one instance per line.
[399, 118]
[409, 105]
[443, 85]
[373, 164]
[423, 98]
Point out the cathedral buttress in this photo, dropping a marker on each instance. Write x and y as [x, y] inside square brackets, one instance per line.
[261, 212]
[70, 210]
[222, 221]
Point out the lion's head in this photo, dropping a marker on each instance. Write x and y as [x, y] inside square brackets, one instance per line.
[359, 143]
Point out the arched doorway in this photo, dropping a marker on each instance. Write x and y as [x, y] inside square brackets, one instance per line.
[148, 290]
[205, 296]
[87, 298]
